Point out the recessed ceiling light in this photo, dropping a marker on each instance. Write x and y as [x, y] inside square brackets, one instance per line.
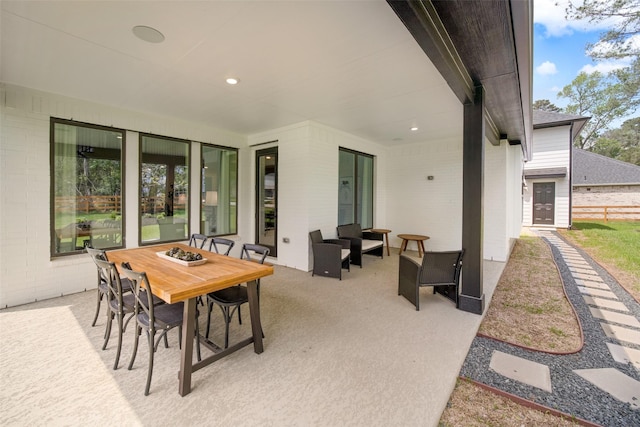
[148, 34]
[414, 128]
[232, 81]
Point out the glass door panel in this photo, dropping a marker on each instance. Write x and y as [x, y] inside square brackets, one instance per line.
[267, 199]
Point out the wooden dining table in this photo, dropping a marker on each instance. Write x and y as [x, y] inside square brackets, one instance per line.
[174, 282]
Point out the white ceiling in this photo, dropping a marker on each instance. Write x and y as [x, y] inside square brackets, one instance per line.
[351, 65]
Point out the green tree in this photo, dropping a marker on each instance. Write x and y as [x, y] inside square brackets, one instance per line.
[546, 105]
[604, 98]
[624, 17]
[622, 143]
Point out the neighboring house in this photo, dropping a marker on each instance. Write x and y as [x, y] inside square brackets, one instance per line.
[316, 78]
[602, 181]
[546, 193]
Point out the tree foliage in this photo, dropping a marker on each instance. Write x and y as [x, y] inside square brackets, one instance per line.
[604, 98]
[546, 105]
[622, 40]
[622, 143]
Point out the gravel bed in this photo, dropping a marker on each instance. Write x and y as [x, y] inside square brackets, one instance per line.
[571, 394]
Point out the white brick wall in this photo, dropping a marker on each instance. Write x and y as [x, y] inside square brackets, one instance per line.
[27, 272]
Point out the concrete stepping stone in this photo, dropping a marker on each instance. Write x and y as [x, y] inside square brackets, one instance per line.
[591, 284]
[614, 382]
[587, 277]
[597, 292]
[522, 370]
[582, 270]
[625, 355]
[577, 263]
[621, 334]
[612, 316]
[605, 303]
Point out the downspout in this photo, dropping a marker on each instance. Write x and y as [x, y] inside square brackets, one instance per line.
[571, 176]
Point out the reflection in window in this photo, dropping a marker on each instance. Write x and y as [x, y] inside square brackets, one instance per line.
[355, 188]
[164, 189]
[219, 190]
[86, 204]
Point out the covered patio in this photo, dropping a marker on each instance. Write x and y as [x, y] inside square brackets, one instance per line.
[348, 352]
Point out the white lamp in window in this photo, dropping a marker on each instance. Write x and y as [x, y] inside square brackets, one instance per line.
[211, 198]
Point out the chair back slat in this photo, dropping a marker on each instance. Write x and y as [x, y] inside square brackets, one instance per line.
[259, 252]
[197, 240]
[218, 245]
[112, 280]
[141, 291]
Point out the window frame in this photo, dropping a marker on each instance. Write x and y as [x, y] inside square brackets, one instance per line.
[53, 121]
[204, 145]
[355, 194]
[188, 162]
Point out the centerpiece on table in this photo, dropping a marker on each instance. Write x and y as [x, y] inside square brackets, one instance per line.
[183, 257]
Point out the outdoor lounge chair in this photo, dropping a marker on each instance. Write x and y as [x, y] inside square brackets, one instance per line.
[438, 269]
[361, 242]
[330, 256]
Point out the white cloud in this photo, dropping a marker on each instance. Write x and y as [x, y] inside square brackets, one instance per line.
[551, 14]
[605, 66]
[632, 43]
[546, 68]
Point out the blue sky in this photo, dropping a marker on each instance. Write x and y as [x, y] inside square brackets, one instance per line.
[559, 50]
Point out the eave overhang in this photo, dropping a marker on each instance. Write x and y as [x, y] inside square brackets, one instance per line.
[487, 43]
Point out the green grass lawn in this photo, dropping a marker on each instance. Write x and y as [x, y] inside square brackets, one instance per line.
[615, 242]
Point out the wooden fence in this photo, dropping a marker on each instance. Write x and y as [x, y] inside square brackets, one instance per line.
[606, 213]
[92, 204]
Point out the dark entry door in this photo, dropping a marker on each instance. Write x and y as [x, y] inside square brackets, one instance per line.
[544, 194]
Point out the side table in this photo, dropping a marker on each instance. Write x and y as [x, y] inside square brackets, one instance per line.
[386, 236]
[418, 238]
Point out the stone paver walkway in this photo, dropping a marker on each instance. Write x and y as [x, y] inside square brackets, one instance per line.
[600, 383]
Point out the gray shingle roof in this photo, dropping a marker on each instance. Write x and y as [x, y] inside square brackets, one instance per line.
[549, 118]
[593, 169]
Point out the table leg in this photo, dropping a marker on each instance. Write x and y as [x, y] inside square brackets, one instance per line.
[254, 311]
[386, 238]
[186, 355]
[420, 248]
[403, 245]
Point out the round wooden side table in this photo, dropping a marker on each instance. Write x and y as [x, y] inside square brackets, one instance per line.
[418, 238]
[386, 236]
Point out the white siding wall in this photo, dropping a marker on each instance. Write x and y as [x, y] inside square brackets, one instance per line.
[551, 149]
[502, 200]
[27, 272]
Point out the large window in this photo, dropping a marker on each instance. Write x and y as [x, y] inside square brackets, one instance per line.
[86, 187]
[355, 189]
[219, 190]
[164, 189]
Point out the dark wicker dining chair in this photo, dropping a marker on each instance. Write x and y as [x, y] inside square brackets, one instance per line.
[438, 269]
[154, 319]
[230, 299]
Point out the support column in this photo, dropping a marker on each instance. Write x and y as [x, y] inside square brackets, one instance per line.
[472, 297]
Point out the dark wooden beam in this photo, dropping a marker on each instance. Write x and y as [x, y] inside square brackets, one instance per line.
[471, 292]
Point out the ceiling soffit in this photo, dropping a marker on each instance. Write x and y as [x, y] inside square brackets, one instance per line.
[473, 43]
